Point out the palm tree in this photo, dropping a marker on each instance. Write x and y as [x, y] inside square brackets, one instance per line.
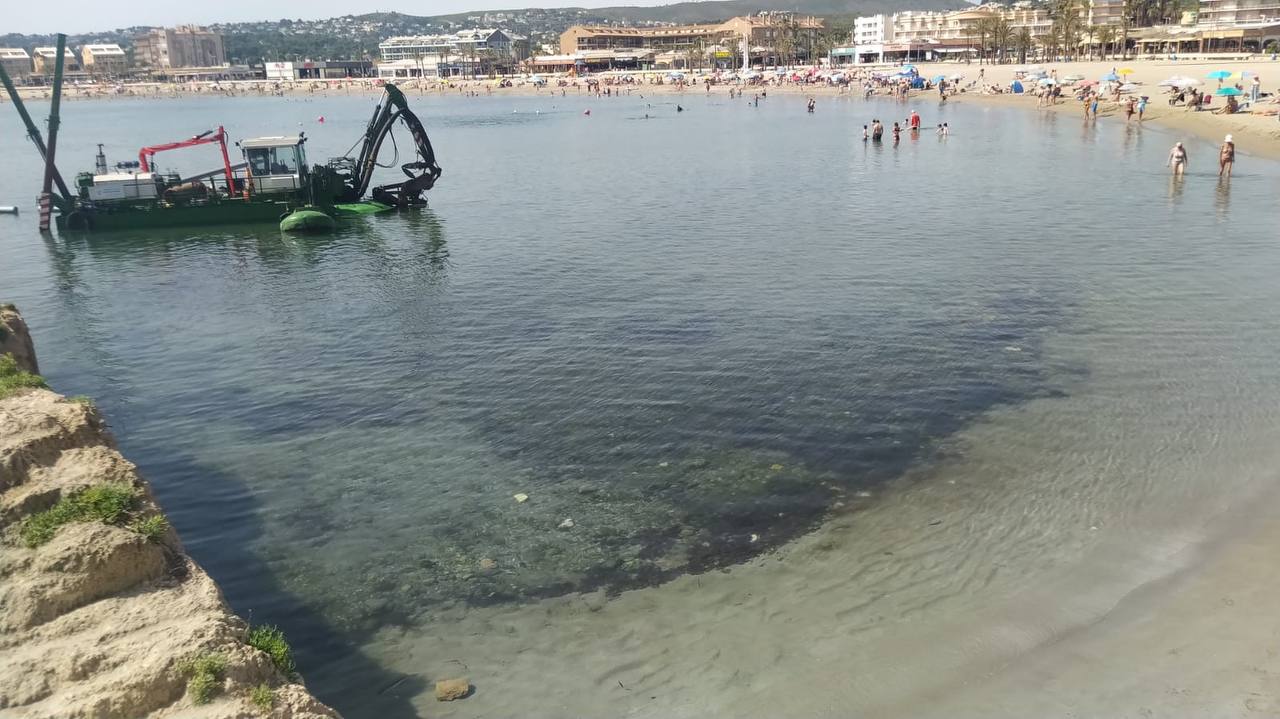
[1001, 35]
[1066, 15]
[1106, 37]
[1051, 40]
[982, 29]
[1023, 42]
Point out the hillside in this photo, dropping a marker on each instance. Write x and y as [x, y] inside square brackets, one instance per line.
[357, 36]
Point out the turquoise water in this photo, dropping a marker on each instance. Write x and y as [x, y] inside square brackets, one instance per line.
[691, 334]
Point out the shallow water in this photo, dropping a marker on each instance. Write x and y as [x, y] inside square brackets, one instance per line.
[694, 334]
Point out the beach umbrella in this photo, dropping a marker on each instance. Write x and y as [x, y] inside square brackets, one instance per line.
[1048, 81]
[1125, 71]
[957, 77]
[1227, 91]
[1110, 77]
[1219, 75]
[1073, 78]
[1128, 87]
[939, 79]
[1086, 83]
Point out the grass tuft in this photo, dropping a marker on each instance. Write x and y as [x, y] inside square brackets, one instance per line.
[263, 697]
[106, 503]
[14, 380]
[153, 527]
[83, 399]
[204, 676]
[271, 640]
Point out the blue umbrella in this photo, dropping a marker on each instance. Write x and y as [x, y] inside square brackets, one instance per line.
[1110, 77]
[1227, 91]
[939, 79]
[1219, 75]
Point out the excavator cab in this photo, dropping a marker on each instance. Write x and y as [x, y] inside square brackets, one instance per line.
[276, 164]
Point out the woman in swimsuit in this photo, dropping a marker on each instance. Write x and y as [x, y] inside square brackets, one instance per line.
[1178, 159]
[1226, 157]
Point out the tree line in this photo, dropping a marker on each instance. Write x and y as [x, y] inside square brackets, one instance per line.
[997, 39]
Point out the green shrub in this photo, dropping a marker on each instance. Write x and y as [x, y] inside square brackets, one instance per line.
[106, 503]
[271, 640]
[204, 676]
[153, 527]
[83, 399]
[262, 697]
[12, 379]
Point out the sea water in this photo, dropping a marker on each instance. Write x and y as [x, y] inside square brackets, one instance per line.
[694, 334]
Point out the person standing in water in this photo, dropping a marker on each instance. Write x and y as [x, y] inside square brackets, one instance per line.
[914, 121]
[877, 130]
[1226, 157]
[865, 135]
[1178, 159]
[1142, 107]
[812, 104]
[897, 133]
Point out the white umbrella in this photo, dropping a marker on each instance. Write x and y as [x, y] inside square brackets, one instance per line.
[1128, 87]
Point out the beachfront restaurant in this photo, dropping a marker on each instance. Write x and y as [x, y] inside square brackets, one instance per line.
[896, 52]
[1174, 39]
[593, 61]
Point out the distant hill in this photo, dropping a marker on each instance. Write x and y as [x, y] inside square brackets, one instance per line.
[713, 10]
[353, 37]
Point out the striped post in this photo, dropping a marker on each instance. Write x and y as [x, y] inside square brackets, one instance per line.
[46, 210]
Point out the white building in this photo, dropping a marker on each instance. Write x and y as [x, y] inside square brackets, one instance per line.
[873, 30]
[16, 62]
[104, 60]
[413, 47]
[465, 43]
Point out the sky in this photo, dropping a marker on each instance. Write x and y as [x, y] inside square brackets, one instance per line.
[83, 16]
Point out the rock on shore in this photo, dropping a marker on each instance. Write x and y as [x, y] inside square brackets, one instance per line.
[105, 620]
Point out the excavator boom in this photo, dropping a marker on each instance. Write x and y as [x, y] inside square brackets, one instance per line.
[356, 174]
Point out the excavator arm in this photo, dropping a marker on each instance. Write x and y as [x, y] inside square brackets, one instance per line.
[208, 137]
[357, 173]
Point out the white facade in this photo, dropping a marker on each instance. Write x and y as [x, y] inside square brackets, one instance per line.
[426, 66]
[465, 43]
[16, 62]
[873, 29]
[103, 59]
